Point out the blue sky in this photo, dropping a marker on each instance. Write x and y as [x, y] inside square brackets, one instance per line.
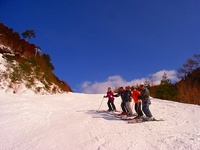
[98, 43]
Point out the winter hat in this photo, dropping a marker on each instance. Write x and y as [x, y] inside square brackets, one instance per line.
[127, 87]
[141, 84]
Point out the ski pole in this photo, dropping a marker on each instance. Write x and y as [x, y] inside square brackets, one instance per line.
[101, 103]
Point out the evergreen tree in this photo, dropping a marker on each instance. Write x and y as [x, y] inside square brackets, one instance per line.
[28, 34]
[47, 60]
[166, 90]
[147, 83]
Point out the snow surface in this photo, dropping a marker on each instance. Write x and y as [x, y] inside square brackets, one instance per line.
[70, 122]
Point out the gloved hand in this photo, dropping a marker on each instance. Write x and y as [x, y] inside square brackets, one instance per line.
[149, 102]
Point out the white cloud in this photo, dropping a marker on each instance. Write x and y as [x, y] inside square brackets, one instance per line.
[117, 81]
[157, 77]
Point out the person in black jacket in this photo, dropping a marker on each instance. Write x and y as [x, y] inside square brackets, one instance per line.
[123, 103]
[127, 100]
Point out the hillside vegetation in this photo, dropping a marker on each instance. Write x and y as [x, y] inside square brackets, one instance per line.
[186, 90]
[26, 66]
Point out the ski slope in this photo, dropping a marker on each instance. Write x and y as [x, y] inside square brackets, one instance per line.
[70, 122]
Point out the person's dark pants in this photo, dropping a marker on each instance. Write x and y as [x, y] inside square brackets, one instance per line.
[111, 105]
[123, 106]
[138, 109]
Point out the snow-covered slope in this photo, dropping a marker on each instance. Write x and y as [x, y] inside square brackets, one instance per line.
[19, 81]
[70, 122]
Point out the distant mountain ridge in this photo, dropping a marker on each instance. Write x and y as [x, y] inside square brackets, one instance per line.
[23, 67]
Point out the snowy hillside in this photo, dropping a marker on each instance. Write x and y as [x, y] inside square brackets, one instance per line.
[70, 122]
[14, 79]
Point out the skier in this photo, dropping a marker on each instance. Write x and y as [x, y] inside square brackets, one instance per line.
[138, 102]
[123, 103]
[110, 103]
[128, 99]
[145, 101]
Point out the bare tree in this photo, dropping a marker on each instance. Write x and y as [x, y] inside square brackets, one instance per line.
[37, 50]
[189, 66]
[189, 85]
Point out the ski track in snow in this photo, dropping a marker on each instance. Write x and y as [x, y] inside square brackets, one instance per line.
[70, 121]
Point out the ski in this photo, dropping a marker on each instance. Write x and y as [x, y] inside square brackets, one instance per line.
[127, 118]
[118, 115]
[136, 121]
[141, 120]
[102, 111]
[114, 113]
[109, 112]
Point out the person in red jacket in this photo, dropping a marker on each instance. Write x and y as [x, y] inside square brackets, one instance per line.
[110, 103]
[138, 103]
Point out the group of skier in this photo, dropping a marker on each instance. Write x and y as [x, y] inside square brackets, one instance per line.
[141, 100]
